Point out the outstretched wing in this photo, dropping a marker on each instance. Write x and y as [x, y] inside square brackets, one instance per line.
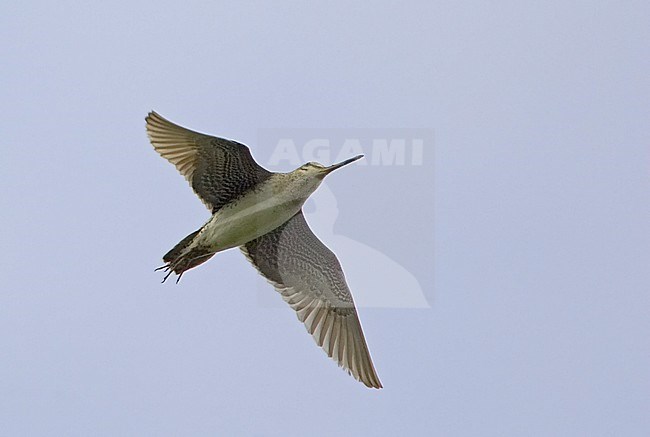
[309, 278]
[218, 170]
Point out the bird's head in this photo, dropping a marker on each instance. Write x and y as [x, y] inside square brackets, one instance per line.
[307, 178]
[317, 170]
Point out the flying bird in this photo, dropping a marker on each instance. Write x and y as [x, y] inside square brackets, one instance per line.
[261, 213]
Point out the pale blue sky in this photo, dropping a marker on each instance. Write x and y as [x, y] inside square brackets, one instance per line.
[527, 226]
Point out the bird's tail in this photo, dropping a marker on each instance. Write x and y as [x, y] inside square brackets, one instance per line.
[178, 260]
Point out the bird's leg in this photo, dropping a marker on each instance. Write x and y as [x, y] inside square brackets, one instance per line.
[167, 276]
[169, 268]
[206, 255]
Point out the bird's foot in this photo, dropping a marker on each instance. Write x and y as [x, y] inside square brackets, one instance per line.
[170, 268]
[184, 262]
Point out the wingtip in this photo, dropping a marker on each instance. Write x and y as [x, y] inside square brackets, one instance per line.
[151, 116]
[373, 382]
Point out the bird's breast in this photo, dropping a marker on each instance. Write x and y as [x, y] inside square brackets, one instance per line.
[251, 216]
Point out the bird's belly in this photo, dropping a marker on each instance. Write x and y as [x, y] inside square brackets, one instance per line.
[237, 224]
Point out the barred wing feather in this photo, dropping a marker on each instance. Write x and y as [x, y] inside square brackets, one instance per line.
[310, 279]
